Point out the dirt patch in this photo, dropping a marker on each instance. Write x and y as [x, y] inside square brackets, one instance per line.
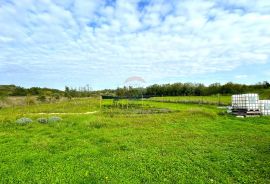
[66, 113]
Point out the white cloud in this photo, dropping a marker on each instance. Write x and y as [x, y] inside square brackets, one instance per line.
[163, 39]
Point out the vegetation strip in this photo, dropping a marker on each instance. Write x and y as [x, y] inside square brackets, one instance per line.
[132, 142]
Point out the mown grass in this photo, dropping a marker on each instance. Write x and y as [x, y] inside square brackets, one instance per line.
[191, 143]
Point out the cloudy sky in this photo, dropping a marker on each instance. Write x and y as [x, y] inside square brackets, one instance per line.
[103, 42]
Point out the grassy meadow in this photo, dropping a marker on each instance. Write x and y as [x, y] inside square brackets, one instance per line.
[133, 142]
[218, 100]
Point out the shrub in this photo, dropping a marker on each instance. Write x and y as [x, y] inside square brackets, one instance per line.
[54, 119]
[56, 96]
[24, 121]
[42, 120]
[3, 96]
[29, 100]
[41, 98]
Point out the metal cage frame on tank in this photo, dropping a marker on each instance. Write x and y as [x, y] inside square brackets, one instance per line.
[265, 107]
[245, 104]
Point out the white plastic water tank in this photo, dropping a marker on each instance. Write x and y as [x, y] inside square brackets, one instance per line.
[245, 101]
[264, 107]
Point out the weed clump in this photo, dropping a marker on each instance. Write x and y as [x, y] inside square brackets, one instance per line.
[42, 120]
[97, 125]
[24, 121]
[54, 119]
[199, 112]
[123, 147]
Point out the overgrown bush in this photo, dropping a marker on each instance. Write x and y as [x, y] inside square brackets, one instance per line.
[29, 100]
[24, 121]
[41, 98]
[56, 96]
[3, 96]
[42, 120]
[54, 119]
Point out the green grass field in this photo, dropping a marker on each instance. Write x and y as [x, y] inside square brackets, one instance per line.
[142, 142]
[219, 100]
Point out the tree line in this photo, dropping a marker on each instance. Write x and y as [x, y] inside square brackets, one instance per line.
[175, 89]
[192, 89]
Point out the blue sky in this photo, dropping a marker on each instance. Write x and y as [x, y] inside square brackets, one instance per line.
[103, 42]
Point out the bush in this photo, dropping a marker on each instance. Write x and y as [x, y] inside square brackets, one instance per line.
[54, 119]
[56, 96]
[41, 98]
[3, 96]
[24, 121]
[29, 100]
[42, 120]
